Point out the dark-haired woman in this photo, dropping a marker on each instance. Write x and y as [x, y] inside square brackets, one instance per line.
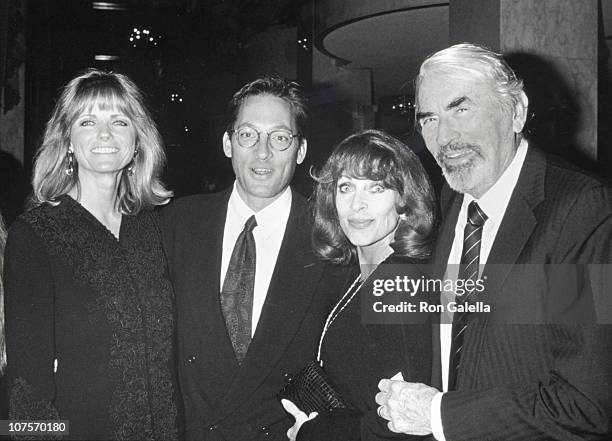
[373, 206]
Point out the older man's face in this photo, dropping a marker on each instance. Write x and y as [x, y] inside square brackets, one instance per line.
[468, 132]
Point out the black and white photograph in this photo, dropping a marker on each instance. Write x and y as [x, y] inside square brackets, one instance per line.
[306, 220]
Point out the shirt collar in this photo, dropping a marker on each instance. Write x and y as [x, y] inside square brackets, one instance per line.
[269, 216]
[495, 201]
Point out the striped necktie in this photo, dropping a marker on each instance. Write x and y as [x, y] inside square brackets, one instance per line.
[468, 270]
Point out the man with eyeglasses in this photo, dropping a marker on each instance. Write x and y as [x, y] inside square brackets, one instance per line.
[251, 296]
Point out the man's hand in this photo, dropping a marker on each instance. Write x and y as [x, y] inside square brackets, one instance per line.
[300, 418]
[407, 406]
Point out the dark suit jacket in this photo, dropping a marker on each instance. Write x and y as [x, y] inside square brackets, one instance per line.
[530, 381]
[225, 401]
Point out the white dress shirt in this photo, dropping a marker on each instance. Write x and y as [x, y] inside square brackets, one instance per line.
[268, 235]
[494, 203]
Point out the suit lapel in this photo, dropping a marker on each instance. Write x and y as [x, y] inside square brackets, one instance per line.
[450, 207]
[218, 359]
[288, 299]
[512, 236]
[518, 223]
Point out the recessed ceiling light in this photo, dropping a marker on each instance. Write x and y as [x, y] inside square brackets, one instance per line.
[106, 57]
[109, 6]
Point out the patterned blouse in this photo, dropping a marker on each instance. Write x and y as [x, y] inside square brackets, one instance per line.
[90, 331]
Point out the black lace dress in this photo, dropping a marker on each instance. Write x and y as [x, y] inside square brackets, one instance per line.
[90, 325]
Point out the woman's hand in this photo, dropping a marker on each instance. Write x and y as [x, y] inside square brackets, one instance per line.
[300, 418]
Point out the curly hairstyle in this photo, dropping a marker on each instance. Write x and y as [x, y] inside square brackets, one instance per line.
[377, 156]
[104, 90]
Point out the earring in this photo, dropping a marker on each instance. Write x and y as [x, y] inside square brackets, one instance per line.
[69, 163]
[132, 167]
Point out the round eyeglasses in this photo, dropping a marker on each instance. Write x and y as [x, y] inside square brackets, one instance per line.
[279, 139]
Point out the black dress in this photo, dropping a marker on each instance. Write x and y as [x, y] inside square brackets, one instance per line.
[357, 356]
[90, 331]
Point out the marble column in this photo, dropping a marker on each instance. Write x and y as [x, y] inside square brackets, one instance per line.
[553, 46]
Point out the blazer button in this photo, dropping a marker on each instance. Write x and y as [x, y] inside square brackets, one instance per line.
[191, 359]
[265, 430]
[213, 427]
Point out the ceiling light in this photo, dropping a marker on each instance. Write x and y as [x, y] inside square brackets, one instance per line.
[106, 57]
[109, 6]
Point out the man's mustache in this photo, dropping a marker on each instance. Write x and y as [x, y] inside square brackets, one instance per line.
[457, 146]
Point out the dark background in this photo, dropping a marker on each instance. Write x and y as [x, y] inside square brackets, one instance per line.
[192, 55]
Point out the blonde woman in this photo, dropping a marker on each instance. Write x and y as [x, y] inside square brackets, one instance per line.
[89, 316]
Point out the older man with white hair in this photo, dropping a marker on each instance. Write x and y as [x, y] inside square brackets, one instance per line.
[536, 364]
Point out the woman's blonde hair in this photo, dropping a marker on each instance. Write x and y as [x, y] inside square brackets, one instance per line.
[142, 187]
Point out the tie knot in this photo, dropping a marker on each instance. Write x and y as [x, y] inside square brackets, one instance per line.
[250, 224]
[476, 216]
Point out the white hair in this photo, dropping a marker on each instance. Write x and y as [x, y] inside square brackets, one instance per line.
[467, 60]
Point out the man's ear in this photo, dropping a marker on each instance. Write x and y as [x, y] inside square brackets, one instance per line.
[227, 145]
[519, 116]
[301, 153]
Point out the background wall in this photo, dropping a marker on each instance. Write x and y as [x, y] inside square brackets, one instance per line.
[355, 59]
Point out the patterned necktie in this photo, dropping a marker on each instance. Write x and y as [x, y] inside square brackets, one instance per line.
[468, 269]
[237, 293]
